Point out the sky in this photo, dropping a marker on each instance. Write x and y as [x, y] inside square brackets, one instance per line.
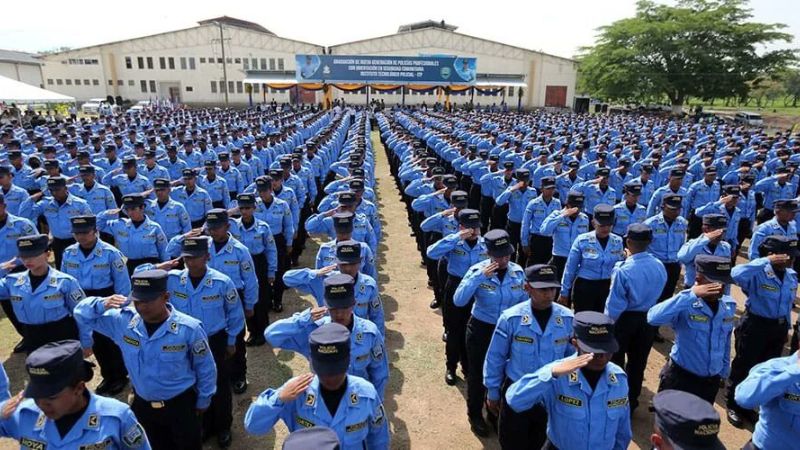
[557, 27]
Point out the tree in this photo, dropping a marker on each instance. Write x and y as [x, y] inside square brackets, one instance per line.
[791, 84]
[699, 48]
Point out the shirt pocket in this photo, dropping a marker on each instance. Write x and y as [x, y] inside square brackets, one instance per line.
[790, 404]
[53, 306]
[614, 415]
[172, 363]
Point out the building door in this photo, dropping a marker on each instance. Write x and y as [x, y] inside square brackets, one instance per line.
[175, 94]
[555, 96]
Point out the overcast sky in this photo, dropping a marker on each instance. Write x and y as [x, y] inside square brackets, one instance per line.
[558, 27]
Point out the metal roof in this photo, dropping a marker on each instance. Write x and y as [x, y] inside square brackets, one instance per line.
[427, 24]
[14, 56]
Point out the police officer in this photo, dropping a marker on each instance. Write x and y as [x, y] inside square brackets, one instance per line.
[362, 229]
[459, 251]
[140, 239]
[343, 226]
[537, 247]
[684, 420]
[316, 437]
[591, 259]
[14, 195]
[636, 284]
[565, 226]
[774, 387]
[367, 349]
[673, 188]
[278, 215]
[702, 318]
[42, 297]
[770, 284]
[699, 194]
[194, 198]
[99, 197]
[492, 285]
[216, 186]
[57, 211]
[210, 297]
[232, 258]
[100, 270]
[669, 235]
[528, 336]
[782, 223]
[256, 235]
[348, 261]
[128, 182]
[61, 412]
[518, 195]
[629, 211]
[169, 214]
[12, 227]
[167, 356]
[711, 242]
[315, 399]
[585, 395]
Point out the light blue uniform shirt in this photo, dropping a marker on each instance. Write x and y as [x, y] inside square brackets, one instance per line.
[278, 216]
[326, 256]
[57, 215]
[172, 217]
[145, 241]
[102, 268]
[459, 254]
[564, 230]
[767, 295]
[15, 227]
[99, 197]
[197, 204]
[699, 246]
[624, 217]
[667, 239]
[536, 211]
[589, 260]
[769, 228]
[257, 237]
[14, 198]
[492, 296]
[636, 284]
[517, 201]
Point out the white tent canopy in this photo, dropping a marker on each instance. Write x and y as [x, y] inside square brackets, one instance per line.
[13, 91]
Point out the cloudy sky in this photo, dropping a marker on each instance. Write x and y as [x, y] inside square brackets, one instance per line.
[557, 27]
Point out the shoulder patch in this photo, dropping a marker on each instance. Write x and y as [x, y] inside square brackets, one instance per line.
[353, 398]
[134, 437]
[200, 348]
[526, 319]
[93, 421]
[612, 378]
[573, 377]
[310, 399]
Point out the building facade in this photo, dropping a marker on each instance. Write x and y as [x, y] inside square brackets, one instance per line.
[21, 66]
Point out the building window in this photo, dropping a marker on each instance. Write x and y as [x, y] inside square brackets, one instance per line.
[85, 81]
[59, 81]
[95, 82]
[140, 62]
[131, 83]
[143, 84]
[49, 81]
[183, 63]
[256, 87]
[219, 60]
[68, 81]
[246, 64]
[162, 63]
[152, 86]
[511, 91]
[254, 63]
[189, 89]
[222, 88]
[202, 60]
[230, 87]
[128, 63]
[238, 87]
[110, 82]
[191, 63]
[237, 61]
[150, 62]
[280, 63]
[120, 83]
[77, 82]
[272, 64]
[263, 63]
[228, 60]
[213, 87]
[171, 62]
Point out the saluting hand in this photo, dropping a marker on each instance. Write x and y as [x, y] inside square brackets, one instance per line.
[707, 290]
[114, 301]
[466, 233]
[778, 259]
[11, 405]
[569, 211]
[294, 387]
[714, 235]
[448, 212]
[570, 365]
[326, 270]
[318, 313]
[489, 270]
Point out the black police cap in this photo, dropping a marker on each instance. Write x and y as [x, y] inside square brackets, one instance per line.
[677, 173]
[469, 218]
[603, 214]
[548, 182]
[188, 173]
[731, 189]
[639, 232]
[498, 243]
[786, 204]
[343, 221]
[264, 183]
[32, 245]
[346, 198]
[246, 200]
[542, 276]
[148, 285]
[161, 183]
[56, 182]
[276, 174]
[595, 332]
[715, 220]
[339, 291]
[82, 224]
[782, 245]
[633, 188]
[216, 218]
[53, 366]
[133, 200]
[672, 201]
[688, 421]
[348, 251]
[459, 199]
[194, 246]
[330, 349]
[575, 199]
[715, 268]
[51, 164]
[603, 172]
[356, 185]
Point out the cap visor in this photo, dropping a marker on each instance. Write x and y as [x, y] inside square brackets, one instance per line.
[727, 279]
[604, 222]
[610, 346]
[82, 229]
[348, 260]
[214, 225]
[544, 284]
[29, 253]
[44, 389]
[506, 250]
[716, 444]
[144, 298]
[330, 367]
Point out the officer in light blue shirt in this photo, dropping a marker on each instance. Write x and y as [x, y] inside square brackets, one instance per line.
[348, 261]
[628, 211]
[528, 336]
[99, 197]
[699, 194]
[703, 318]
[727, 205]
[492, 286]
[564, 226]
[636, 284]
[362, 229]
[210, 297]
[100, 270]
[14, 194]
[58, 375]
[783, 223]
[43, 298]
[669, 235]
[167, 356]
[215, 185]
[587, 274]
[150, 169]
[597, 191]
[773, 387]
[770, 284]
[173, 164]
[673, 188]
[367, 350]
[710, 242]
[355, 413]
[278, 215]
[517, 196]
[140, 239]
[129, 182]
[194, 198]
[169, 214]
[585, 395]
[536, 246]
[326, 256]
[13, 228]
[774, 188]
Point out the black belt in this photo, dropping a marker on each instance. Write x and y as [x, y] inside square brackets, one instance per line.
[766, 320]
[159, 404]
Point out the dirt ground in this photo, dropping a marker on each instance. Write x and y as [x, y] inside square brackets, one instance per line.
[424, 412]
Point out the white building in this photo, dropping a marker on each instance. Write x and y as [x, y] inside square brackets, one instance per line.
[545, 80]
[183, 65]
[21, 66]
[187, 66]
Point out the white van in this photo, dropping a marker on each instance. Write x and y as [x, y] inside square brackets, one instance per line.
[749, 118]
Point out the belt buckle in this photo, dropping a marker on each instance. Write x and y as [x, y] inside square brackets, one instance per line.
[782, 321]
[157, 405]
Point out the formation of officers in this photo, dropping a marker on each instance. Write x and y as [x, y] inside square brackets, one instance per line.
[174, 236]
[557, 245]
[554, 245]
